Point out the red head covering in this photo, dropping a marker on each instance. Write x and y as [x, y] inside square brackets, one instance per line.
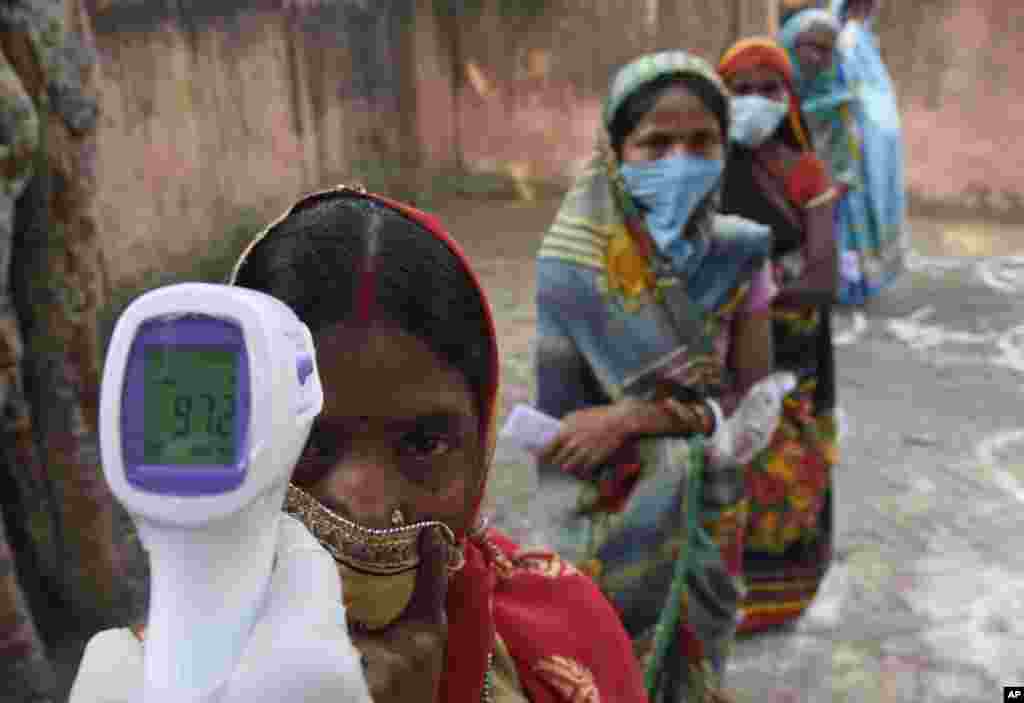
[566, 639]
[807, 180]
[489, 396]
[535, 602]
[766, 52]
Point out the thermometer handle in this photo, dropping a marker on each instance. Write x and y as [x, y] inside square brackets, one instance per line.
[208, 585]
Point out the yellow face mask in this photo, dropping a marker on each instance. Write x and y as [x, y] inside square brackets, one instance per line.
[377, 567]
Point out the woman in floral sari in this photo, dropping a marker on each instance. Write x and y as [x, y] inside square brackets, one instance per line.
[652, 310]
[774, 177]
[408, 358]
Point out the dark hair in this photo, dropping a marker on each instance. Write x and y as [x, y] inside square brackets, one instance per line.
[643, 99]
[330, 256]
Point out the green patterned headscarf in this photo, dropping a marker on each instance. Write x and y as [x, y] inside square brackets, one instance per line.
[800, 24]
[651, 67]
[598, 218]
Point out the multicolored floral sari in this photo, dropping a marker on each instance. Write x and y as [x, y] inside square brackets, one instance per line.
[661, 527]
[789, 538]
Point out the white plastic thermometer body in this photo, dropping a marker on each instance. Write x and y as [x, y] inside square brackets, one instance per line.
[209, 393]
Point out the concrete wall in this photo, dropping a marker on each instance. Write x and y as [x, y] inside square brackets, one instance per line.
[532, 91]
[955, 66]
[950, 61]
[213, 105]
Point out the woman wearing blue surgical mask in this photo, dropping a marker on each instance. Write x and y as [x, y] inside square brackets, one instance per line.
[774, 177]
[653, 319]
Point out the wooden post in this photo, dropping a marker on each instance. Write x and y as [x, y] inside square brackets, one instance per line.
[772, 8]
[756, 17]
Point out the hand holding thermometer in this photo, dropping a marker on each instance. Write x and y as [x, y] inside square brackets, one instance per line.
[209, 393]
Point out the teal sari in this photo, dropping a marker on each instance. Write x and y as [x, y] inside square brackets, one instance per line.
[869, 256]
[877, 116]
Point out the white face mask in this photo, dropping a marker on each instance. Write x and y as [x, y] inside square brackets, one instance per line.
[755, 119]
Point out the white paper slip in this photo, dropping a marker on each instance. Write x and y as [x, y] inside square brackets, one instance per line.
[530, 428]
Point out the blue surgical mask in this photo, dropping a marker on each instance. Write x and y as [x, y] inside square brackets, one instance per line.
[669, 190]
[755, 119]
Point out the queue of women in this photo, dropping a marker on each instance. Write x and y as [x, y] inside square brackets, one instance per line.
[725, 212]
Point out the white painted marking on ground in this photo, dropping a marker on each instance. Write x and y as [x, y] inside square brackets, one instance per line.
[1011, 347]
[850, 336]
[987, 452]
[919, 336]
[917, 262]
[1003, 273]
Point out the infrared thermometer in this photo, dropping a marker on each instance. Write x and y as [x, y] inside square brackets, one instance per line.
[209, 394]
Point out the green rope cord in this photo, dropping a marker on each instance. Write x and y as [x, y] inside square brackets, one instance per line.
[668, 623]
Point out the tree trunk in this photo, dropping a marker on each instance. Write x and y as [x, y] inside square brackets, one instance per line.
[671, 21]
[58, 555]
[409, 155]
[449, 14]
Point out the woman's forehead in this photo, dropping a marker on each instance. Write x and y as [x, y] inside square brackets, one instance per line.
[818, 33]
[678, 106]
[384, 372]
[759, 72]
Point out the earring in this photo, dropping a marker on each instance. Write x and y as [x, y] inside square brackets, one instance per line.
[397, 519]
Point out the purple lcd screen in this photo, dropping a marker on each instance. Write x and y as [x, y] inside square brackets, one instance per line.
[185, 406]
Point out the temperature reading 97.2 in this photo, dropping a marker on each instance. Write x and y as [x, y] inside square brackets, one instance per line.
[191, 406]
[204, 413]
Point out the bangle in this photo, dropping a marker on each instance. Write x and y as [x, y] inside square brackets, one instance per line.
[719, 418]
[690, 417]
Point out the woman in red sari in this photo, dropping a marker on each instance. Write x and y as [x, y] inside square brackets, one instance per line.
[407, 354]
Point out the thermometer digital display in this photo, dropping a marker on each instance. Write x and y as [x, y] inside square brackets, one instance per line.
[190, 404]
[186, 404]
